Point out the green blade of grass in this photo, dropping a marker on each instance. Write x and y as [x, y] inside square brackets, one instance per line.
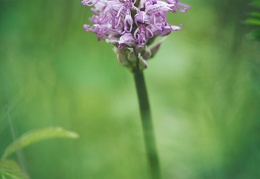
[36, 136]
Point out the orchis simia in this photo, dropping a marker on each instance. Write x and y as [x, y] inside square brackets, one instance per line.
[132, 26]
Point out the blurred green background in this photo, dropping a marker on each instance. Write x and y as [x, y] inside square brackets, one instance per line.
[203, 87]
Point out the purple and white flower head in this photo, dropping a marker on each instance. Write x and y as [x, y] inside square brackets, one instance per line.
[132, 25]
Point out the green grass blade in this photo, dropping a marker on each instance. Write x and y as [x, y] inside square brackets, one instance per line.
[36, 136]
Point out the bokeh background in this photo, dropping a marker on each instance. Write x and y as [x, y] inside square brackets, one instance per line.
[203, 86]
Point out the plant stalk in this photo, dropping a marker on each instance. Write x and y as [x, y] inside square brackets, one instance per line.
[148, 132]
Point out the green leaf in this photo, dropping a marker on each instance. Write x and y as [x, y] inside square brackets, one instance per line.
[253, 21]
[256, 3]
[36, 136]
[9, 169]
[255, 34]
[255, 14]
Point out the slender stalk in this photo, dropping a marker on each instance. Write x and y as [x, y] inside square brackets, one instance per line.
[149, 139]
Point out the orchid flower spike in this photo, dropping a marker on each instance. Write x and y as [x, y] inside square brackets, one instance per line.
[132, 25]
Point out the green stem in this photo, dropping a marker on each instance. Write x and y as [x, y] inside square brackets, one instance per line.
[146, 118]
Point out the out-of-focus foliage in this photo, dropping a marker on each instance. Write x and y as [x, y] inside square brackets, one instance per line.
[203, 85]
[254, 19]
[9, 169]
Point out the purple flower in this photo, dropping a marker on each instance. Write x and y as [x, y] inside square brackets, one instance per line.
[131, 25]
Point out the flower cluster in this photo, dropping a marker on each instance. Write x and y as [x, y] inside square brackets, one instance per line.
[132, 25]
